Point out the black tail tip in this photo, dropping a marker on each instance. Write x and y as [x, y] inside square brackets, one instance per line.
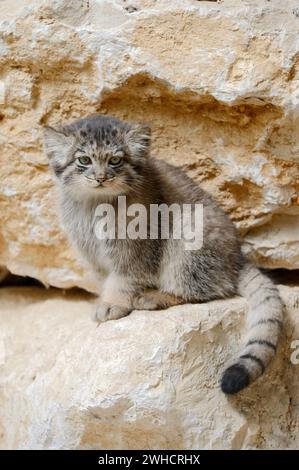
[234, 379]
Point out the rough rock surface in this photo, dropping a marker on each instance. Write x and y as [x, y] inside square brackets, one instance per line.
[66, 383]
[218, 82]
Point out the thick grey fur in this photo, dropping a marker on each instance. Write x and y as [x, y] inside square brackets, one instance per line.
[157, 273]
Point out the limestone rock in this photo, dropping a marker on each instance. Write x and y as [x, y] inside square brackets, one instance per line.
[3, 273]
[68, 384]
[218, 82]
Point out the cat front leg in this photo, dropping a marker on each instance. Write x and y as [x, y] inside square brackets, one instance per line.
[116, 300]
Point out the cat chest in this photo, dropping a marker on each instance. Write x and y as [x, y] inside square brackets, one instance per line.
[96, 249]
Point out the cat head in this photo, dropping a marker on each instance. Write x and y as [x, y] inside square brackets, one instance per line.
[97, 156]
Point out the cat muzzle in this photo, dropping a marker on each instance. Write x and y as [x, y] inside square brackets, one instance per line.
[97, 182]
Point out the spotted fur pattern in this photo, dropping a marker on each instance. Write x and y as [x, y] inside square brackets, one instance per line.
[153, 274]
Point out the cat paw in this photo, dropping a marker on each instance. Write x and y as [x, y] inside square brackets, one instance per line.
[105, 312]
[146, 302]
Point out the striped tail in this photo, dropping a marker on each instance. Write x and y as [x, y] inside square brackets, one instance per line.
[264, 324]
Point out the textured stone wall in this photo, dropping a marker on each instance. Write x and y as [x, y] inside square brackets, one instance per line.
[218, 83]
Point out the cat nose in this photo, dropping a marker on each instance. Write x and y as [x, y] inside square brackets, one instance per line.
[100, 179]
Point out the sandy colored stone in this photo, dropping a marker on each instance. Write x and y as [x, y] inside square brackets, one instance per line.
[3, 273]
[68, 384]
[218, 83]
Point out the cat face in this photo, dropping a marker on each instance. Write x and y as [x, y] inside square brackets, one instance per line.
[97, 156]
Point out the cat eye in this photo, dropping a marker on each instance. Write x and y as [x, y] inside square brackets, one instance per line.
[84, 160]
[115, 160]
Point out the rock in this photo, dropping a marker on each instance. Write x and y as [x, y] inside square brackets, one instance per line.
[3, 273]
[218, 83]
[68, 384]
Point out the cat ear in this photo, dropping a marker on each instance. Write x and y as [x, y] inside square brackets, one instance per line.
[138, 139]
[57, 146]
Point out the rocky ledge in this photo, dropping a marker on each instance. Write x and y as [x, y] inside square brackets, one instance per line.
[148, 381]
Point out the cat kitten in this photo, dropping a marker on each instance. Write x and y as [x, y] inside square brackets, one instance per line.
[97, 159]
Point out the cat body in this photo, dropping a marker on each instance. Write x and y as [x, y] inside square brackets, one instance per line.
[150, 262]
[98, 159]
